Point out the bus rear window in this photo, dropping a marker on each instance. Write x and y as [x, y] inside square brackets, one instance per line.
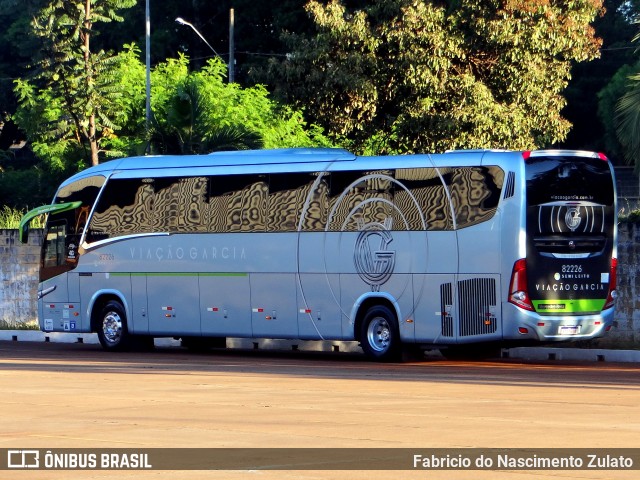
[568, 179]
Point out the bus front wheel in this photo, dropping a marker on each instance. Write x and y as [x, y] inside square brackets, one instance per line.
[379, 334]
[112, 329]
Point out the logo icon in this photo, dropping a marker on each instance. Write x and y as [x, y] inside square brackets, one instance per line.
[572, 218]
[23, 459]
[373, 260]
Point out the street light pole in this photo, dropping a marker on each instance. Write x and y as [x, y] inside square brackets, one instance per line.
[148, 59]
[232, 59]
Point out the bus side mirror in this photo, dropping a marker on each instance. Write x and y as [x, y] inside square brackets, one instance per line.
[23, 233]
[23, 229]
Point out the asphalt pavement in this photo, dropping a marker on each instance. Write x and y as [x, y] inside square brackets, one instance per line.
[524, 353]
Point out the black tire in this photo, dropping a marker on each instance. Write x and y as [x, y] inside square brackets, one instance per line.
[112, 327]
[379, 335]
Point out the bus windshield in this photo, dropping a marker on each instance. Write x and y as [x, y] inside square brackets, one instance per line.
[64, 229]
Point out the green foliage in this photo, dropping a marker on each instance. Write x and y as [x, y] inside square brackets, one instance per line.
[608, 100]
[10, 218]
[590, 129]
[21, 188]
[628, 120]
[72, 101]
[198, 112]
[405, 76]
[628, 116]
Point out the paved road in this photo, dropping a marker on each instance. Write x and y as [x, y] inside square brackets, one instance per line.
[76, 395]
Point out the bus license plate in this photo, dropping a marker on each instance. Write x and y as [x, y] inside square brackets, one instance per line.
[569, 329]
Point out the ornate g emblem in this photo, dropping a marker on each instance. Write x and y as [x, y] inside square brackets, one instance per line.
[572, 218]
[373, 261]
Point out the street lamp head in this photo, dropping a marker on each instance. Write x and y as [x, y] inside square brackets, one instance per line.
[182, 21]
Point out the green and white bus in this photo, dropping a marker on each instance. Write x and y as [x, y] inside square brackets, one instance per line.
[445, 251]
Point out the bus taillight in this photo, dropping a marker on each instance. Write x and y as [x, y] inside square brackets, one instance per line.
[613, 280]
[518, 291]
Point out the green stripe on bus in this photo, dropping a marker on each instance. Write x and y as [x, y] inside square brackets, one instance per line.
[569, 306]
[179, 274]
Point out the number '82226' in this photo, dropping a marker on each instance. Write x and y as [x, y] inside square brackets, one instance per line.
[571, 268]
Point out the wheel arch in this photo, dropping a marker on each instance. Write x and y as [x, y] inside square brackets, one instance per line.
[98, 302]
[367, 301]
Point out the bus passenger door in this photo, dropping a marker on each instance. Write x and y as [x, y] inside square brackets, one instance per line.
[173, 304]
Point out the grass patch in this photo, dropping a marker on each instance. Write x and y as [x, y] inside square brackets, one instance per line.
[7, 325]
[10, 218]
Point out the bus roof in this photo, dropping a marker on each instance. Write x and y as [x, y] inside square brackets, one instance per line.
[237, 158]
[295, 159]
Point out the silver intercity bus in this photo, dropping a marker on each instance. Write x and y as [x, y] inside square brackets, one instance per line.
[446, 251]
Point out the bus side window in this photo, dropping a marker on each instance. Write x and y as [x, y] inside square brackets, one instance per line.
[288, 193]
[238, 203]
[179, 204]
[361, 198]
[475, 193]
[124, 208]
[423, 201]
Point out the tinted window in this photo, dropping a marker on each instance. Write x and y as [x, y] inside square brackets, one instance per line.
[180, 204]
[124, 208]
[560, 179]
[425, 201]
[358, 199]
[403, 199]
[288, 193]
[64, 230]
[475, 193]
[239, 203]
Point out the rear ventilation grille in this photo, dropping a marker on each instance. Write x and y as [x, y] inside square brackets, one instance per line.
[446, 304]
[510, 185]
[477, 302]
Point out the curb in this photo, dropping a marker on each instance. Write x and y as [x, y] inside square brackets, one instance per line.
[524, 353]
[573, 354]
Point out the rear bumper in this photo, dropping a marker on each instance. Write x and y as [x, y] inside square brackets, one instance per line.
[520, 324]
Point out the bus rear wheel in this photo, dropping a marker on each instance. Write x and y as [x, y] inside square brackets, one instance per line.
[379, 334]
[112, 327]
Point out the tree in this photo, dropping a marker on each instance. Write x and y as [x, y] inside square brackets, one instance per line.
[72, 88]
[590, 108]
[406, 76]
[628, 120]
[198, 112]
[608, 101]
